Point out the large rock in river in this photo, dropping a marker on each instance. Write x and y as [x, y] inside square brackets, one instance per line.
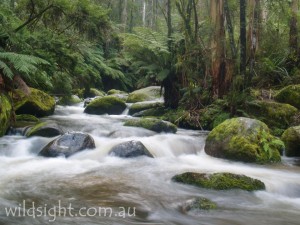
[244, 139]
[291, 139]
[107, 105]
[153, 124]
[68, 144]
[145, 94]
[220, 181]
[130, 149]
[37, 103]
[44, 129]
[5, 113]
[290, 95]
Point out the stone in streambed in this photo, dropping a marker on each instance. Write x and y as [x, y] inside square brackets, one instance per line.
[130, 149]
[107, 105]
[244, 139]
[198, 203]
[220, 181]
[44, 129]
[68, 144]
[291, 139]
[153, 124]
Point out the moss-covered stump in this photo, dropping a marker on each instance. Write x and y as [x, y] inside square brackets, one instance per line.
[44, 129]
[106, 105]
[5, 113]
[37, 103]
[153, 124]
[199, 203]
[220, 181]
[290, 95]
[244, 139]
[145, 94]
[291, 139]
[69, 100]
[141, 106]
[277, 116]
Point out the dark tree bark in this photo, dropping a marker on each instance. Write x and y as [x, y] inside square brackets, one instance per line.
[293, 42]
[243, 38]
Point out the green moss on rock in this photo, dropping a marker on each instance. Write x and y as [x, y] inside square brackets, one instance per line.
[37, 103]
[153, 124]
[145, 94]
[290, 95]
[106, 105]
[291, 139]
[25, 120]
[44, 129]
[199, 203]
[220, 181]
[5, 113]
[95, 92]
[69, 100]
[138, 107]
[244, 139]
[277, 116]
[114, 91]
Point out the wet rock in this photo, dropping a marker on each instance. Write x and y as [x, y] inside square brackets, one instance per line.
[69, 100]
[68, 144]
[244, 139]
[153, 124]
[44, 129]
[220, 181]
[198, 203]
[291, 139]
[145, 94]
[141, 106]
[130, 149]
[107, 105]
[37, 103]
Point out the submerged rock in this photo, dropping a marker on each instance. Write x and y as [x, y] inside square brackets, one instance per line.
[220, 181]
[130, 149]
[153, 124]
[44, 129]
[290, 95]
[106, 105]
[68, 144]
[244, 139]
[6, 111]
[291, 139]
[37, 103]
[145, 94]
[198, 203]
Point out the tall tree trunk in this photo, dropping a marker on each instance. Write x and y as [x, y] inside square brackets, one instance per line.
[144, 12]
[230, 30]
[243, 39]
[124, 15]
[221, 79]
[253, 30]
[293, 43]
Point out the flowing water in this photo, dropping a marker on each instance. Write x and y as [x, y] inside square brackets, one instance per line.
[140, 187]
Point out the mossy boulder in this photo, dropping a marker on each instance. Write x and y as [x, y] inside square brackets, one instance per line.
[199, 203]
[5, 113]
[106, 105]
[114, 91]
[277, 116]
[69, 100]
[37, 103]
[94, 92]
[290, 95]
[44, 129]
[291, 139]
[130, 149]
[220, 181]
[68, 144]
[244, 139]
[153, 124]
[141, 106]
[145, 94]
[24, 120]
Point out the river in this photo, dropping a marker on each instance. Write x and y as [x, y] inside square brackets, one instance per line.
[81, 186]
